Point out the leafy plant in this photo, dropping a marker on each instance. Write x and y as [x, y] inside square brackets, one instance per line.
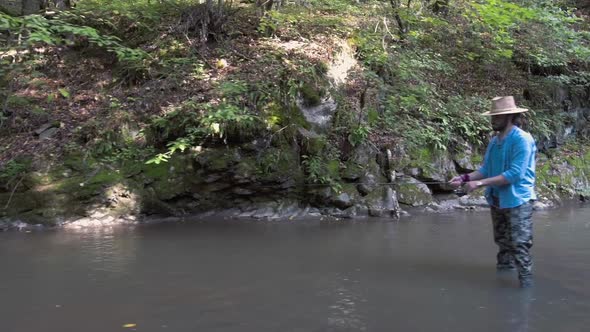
[180, 144]
[12, 172]
[25, 34]
[359, 135]
[321, 171]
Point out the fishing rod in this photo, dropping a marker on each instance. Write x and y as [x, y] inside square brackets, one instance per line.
[459, 191]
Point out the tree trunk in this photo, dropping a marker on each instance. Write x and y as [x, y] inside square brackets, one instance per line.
[440, 7]
[263, 6]
[32, 6]
[61, 4]
[396, 6]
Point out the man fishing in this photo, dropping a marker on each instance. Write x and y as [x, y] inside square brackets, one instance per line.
[508, 173]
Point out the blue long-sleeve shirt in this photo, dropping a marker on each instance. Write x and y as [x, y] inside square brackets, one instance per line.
[513, 157]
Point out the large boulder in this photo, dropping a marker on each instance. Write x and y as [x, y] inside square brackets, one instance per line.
[344, 198]
[412, 192]
[283, 209]
[432, 166]
[466, 160]
[362, 159]
[383, 202]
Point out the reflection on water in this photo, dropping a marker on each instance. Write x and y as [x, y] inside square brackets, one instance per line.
[424, 273]
[102, 250]
[344, 313]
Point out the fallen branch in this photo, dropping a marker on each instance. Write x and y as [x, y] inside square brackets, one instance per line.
[13, 191]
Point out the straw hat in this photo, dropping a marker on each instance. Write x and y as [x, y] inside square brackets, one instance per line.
[504, 105]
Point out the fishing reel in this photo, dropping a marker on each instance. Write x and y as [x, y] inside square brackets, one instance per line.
[460, 192]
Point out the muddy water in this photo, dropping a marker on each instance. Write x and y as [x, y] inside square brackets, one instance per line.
[423, 273]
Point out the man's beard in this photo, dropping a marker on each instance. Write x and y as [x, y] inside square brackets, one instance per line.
[500, 126]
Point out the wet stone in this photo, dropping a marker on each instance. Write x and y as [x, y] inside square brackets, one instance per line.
[48, 133]
[242, 191]
[212, 178]
[343, 201]
[43, 128]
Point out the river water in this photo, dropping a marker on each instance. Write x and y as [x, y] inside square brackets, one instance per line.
[423, 273]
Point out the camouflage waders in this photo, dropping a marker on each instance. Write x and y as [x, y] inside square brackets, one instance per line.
[513, 233]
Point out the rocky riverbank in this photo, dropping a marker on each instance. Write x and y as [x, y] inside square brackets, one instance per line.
[225, 183]
[319, 151]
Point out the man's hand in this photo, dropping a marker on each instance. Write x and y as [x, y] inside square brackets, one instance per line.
[472, 185]
[456, 182]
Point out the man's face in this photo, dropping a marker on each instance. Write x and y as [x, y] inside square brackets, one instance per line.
[499, 122]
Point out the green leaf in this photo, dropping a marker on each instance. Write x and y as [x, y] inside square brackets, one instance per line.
[64, 92]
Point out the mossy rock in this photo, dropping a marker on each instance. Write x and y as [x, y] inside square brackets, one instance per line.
[432, 166]
[77, 161]
[177, 165]
[180, 163]
[363, 159]
[39, 207]
[278, 116]
[477, 159]
[156, 172]
[412, 192]
[562, 176]
[167, 189]
[352, 171]
[23, 202]
[130, 168]
[319, 196]
[218, 159]
[346, 197]
[151, 204]
[310, 95]
[382, 201]
[247, 169]
[333, 169]
[36, 179]
[279, 165]
[87, 186]
[171, 179]
[544, 184]
[313, 144]
[36, 218]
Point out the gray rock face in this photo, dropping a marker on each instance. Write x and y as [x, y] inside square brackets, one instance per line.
[543, 205]
[48, 133]
[286, 209]
[14, 7]
[242, 191]
[343, 201]
[390, 169]
[362, 159]
[384, 204]
[413, 192]
[368, 183]
[319, 196]
[449, 202]
[463, 158]
[264, 179]
[6, 224]
[348, 213]
[318, 115]
[43, 128]
[441, 170]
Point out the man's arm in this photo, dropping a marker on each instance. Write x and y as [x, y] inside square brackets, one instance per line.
[459, 180]
[498, 180]
[520, 155]
[474, 181]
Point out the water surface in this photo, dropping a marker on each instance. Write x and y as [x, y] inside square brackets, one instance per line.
[423, 273]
